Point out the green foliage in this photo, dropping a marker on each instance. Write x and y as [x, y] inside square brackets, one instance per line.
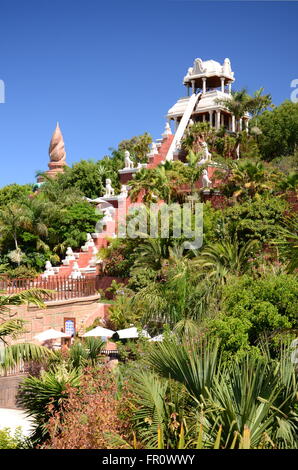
[72, 224]
[21, 272]
[279, 129]
[41, 396]
[255, 220]
[226, 257]
[122, 313]
[255, 308]
[138, 147]
[12, 441]
[140, 278]
[14, 193]
[246, 403]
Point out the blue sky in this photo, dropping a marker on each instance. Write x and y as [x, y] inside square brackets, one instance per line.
[110, 70]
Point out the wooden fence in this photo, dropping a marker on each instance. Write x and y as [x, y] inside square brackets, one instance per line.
[63, 288]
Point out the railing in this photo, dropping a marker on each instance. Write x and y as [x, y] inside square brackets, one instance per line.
[19, 369]
[63, 288]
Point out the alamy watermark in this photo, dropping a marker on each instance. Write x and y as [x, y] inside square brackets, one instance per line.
[2, 91]
[294, 94]
[154, 221]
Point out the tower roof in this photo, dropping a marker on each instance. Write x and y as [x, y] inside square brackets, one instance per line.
[211, 70]
[57, 149]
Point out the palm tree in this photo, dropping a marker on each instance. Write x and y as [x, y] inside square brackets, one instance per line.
[250, 400]
[144, 183]
[12, 218]
[39, 213]
[225, 258]
[259, 102]
[41, 396]
[85, 352]
[14, 354]
[152, 253]
[249, 178]
[240, 103]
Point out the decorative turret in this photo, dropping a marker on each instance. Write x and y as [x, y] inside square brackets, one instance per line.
[57, 153]
[212, 81]
[208, 75]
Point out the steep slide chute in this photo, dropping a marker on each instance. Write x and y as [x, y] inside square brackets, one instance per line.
[182, 125]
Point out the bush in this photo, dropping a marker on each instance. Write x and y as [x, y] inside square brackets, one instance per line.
[254, 309]
[89, 417]
[12, 441]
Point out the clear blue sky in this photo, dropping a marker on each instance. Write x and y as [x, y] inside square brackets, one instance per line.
[109, 70]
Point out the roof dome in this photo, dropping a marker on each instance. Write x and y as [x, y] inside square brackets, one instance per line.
[209, 68]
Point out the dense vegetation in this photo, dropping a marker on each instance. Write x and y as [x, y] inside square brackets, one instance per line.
[224, 375]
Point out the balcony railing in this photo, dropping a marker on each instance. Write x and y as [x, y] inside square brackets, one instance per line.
[63, 288]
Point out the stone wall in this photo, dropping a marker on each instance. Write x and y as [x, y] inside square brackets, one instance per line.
[84, 310]
[8, 391]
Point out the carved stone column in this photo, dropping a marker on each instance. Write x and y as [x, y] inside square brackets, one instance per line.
[217, 119]
[204, 79]
[222, 84]
[211, 118]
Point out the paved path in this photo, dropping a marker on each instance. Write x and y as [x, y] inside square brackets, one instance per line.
[14, 418]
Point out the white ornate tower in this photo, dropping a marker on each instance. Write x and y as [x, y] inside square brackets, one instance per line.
[209, 81]
[212, 81]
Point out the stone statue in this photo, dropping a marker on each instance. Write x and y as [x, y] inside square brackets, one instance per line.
[153, 150]
[75, 273]
[206, 180]
[109, 189]
[69, 253]
[167, 131]
[123, 192]
[206, 154]
[94, 260]
[226, 68]
[49, 270]
[127, 160]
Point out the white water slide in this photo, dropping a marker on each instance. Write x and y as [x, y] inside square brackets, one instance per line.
[182, 124]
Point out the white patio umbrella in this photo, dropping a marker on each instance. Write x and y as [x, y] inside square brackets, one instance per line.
[50, 334]
[157, 338]
[132, 333]
[128, 333]
[99, 331]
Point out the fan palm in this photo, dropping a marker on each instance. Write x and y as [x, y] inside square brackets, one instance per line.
[255, 395]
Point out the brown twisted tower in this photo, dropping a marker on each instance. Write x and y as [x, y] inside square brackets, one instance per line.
[57, 153]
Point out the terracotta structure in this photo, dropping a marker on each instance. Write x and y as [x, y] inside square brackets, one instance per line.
[57, 155]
